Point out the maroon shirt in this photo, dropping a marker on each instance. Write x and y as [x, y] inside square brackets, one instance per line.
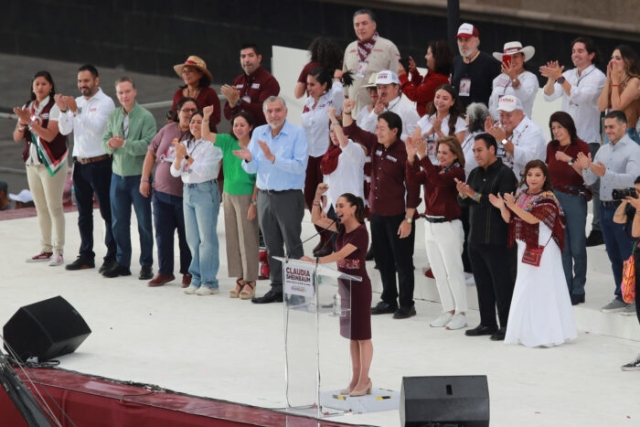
[440, 194]
[206, 97]
[254, 89]
[422, 90]
[562, 173]
[302, 78]
[161, 146]
[389, 194]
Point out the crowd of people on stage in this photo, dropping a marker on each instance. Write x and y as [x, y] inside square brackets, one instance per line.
[503, 207]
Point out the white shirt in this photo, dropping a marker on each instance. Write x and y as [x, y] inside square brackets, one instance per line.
[622, 161]
[404, 109]
[426, 124]
[315, 121]
[87, 124]
[54, 115]
[205, 166]
[526, 92]
[582, 103]
[348, 176]
[529, 144]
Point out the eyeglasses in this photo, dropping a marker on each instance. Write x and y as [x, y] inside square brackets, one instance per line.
[188, 110]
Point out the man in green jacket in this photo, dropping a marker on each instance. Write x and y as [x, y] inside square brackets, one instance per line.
[129, 131]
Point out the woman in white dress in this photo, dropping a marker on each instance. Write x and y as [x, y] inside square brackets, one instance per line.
[541, 312]
[515, 79]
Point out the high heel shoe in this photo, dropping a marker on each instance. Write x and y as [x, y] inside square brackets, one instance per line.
[250, 292]
[345, 391]
[235, 292]
[357, 393]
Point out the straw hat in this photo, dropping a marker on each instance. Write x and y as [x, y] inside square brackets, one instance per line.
[372, 81]
[195, 62]
[512, 48]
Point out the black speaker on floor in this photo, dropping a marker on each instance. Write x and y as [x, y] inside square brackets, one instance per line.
[45, 330]
[444, 401]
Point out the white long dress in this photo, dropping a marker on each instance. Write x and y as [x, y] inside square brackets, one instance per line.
[541, 313]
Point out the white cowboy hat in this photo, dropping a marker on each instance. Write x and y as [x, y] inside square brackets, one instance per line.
[513, 48]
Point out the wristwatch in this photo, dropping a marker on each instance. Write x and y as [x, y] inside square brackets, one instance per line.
[409, 220]
[504, 141]
[187, 157]
[561, 80]
[572, 161]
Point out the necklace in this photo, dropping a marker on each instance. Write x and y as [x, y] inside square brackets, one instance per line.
[195, 93]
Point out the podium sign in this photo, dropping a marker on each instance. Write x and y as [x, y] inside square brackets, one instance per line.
[317, 327]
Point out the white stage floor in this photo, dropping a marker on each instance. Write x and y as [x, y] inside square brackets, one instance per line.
[229, 349]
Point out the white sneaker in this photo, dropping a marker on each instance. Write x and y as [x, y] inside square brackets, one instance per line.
[458, 321]
[468, 278]
[56, 260]
[190, 290]
[204, 290]
[442, 320]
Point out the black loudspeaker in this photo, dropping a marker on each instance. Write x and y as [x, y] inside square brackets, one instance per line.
[45, 330]
[444, 401]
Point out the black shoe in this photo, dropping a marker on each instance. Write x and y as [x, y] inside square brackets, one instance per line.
[80, 264]
[146, 273]
[595, 238]
[295, 300]
[480, 330]
[498, 335]
[404, 313]
[106, 265]
[271, 296]
[116, 270]
[384, 308]
[577, 299]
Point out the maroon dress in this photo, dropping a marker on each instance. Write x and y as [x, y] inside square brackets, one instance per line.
[355, 264]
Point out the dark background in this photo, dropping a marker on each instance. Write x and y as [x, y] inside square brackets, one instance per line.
[150, 36]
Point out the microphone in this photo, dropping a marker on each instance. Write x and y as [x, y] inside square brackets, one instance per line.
[306, 240]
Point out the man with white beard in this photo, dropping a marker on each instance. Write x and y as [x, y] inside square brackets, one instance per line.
[473, 71]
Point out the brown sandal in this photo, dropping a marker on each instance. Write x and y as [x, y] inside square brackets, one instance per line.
[235, 292]
[248, 293]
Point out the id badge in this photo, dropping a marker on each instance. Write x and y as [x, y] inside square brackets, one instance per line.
[362, 68]
[465, 86]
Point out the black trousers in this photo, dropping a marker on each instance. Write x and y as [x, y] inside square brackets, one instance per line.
[494, 270]
[394, 255]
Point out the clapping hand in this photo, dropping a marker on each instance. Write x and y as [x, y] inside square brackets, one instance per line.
[584, 160]
[463, 188]
[497, 201]
[509, 199]
[552, 70]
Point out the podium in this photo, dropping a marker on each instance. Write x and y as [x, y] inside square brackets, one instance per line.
[317, 327]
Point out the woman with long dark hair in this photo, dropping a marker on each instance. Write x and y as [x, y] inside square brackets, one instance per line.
[569, 188]
[198, 163]
[540, 313]
[351, 249]
[445, 117]
[324, 52]
[422, 90]
[443, 231]
[45, 155]
[622, 88]
[239, 201]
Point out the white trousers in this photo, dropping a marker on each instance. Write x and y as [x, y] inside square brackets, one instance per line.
[444, 242]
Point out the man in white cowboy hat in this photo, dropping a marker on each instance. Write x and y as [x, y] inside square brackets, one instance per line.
[367, 55]
[473, 71]
[250, 89]
[520, 140]
[514, 80]
[390, 99]
[579, 88]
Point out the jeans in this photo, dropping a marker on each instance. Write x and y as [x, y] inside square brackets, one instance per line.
[90, 179]
[617, 243]
[168, 216]
[201, 208]
[574, 255]
[125, 191]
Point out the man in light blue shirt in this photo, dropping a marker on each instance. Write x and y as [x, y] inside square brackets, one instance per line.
[617, 165]
[278, 154]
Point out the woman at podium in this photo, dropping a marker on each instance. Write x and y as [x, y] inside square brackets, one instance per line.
[351, 250]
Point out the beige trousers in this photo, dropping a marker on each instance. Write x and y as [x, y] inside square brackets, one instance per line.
[241, 236]
[47, 192]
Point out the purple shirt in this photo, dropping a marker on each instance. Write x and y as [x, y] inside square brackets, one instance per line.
[161, 145]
